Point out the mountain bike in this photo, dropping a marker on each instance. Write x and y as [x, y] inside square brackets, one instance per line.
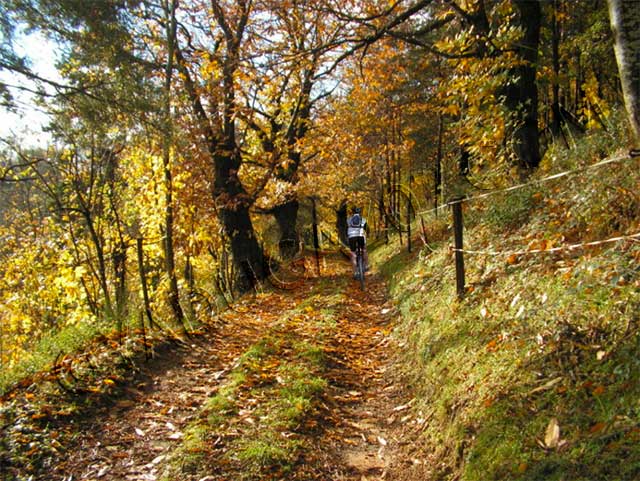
[360, 269]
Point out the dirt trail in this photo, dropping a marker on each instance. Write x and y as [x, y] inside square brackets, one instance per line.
[132, 438]
[129, 440]
[369, 397]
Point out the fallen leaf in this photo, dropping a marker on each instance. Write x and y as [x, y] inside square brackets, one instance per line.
[546, 386]
[586, 384]
[402, 407]
[552, 435]
[103, 471]
[515, 300]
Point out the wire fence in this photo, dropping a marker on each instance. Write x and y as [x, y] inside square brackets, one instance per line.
[611, 160]
[456, 209]
[568, 247]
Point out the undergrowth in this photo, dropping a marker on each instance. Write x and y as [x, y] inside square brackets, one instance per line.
[534, 374]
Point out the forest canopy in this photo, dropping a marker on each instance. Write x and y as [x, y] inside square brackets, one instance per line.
[192, 142]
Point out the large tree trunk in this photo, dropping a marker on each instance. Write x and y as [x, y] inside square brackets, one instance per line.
[522, 93]
[625, 23]
[231, 197]
[234, 204]
[247, 253]
[286, 216]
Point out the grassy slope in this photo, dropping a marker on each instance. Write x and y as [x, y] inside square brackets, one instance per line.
[540, 340]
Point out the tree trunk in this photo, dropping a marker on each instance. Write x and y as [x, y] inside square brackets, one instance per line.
[464, 161]
[234, 205]
[522, 92]
[437, 172]
[143, 283]
[625, 23]
[169, 255]
[286, 216]
[287, 213]
[556, 118]
[341, 222]
[119, 257]
[102, 265]
[384, 223]
[247, 254]
[229, 193]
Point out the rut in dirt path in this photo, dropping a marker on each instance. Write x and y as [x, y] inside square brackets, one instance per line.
[368, 395]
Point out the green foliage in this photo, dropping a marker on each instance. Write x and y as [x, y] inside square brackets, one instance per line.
[299, 382]
[44, 353]
[252, 357]
[313, 354]
[266, 453]
[511, 210]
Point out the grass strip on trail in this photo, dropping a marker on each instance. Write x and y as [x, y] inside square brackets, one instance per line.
[257, 422]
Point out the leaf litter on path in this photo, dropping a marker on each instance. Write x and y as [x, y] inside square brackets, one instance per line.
[352, 437]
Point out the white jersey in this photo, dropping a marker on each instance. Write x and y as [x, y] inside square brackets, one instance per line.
[355, 226]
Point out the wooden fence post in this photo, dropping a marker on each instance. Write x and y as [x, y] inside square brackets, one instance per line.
[456, 211]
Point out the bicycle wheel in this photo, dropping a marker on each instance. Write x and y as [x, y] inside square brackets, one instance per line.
[360, 268]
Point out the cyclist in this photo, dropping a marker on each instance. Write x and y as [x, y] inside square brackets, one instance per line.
[356, 233]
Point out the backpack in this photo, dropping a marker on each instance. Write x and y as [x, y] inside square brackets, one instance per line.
[355, 221]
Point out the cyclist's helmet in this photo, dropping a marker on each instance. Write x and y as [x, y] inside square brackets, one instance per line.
[357, 210]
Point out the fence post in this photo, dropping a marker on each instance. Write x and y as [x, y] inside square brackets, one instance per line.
[456, 211]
